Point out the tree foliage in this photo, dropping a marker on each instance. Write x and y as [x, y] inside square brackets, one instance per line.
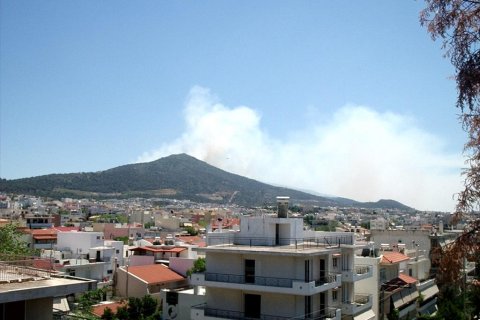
[12, 242]
[456, 23]
[89, 298]
[140, 309]
[200, 265]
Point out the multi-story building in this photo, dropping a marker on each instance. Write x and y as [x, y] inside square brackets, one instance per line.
[28, 293]
[273, 269]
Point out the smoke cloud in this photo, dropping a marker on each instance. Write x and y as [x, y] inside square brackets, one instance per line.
[357, 153]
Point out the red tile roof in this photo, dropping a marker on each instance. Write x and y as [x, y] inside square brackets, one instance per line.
[42, 232]
[391, 257]
[160, 249]
[64, 229]
[45, 237]
[399, 283]
[155, 273]
[98, 309]
[407, 279]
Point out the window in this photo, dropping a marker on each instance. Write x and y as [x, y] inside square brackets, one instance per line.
[249, 271]
[117, 251]
[335, 262]
[334, 295]
[109, 271]
[383, 276]
[98, 237]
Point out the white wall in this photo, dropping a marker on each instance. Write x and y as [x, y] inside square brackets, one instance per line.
[181, 265]
[370, 285]
[76, 241]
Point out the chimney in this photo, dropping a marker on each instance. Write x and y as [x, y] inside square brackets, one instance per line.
[282, 207]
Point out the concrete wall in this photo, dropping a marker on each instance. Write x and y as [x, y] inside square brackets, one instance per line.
[181, 265]
[141, 260]
[392, 237]
[186, 299]
[265, 227]
[370, 285]
[76, 241]
[136, 287]
[271, 304]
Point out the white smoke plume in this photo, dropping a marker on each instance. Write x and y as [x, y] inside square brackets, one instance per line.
[358, 153]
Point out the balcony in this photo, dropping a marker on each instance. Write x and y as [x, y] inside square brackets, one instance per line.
[358, 273]
[267, 284]
[232, 239]
[360, 303]
[203, 312]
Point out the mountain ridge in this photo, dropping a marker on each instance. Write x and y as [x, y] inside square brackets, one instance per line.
[179, 176]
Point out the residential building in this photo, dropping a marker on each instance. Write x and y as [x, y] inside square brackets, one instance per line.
[27, 293]
[138, 281]
[271, 268]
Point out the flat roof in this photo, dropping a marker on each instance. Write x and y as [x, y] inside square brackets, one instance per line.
[53, 287]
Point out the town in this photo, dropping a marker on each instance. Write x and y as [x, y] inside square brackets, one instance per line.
[177, 259]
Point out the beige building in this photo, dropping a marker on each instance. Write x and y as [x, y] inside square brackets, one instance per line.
[138, 281]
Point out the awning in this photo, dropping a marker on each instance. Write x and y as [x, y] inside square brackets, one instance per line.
[368, 315]
[430, 292]
[405, 296]
[430, 310]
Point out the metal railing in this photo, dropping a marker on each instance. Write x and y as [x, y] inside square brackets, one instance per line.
[282, 243]
[362, 269]
[21, 268]
[326, 279]
[256, 280]
[328, 313]
[265, 281]
[358, 269]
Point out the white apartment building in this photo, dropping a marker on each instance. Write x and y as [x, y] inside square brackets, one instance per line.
[87, 255]
[273, 269]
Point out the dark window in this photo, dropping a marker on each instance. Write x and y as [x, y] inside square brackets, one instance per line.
[253, 306]
[249, 271]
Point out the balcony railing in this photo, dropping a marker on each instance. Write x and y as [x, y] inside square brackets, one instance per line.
[326, 279]
[285, 243]
[361, 302]
[266, 281]
[26, 269]
[357, 273]
[362, 269]
[257, 280]
[328, 313]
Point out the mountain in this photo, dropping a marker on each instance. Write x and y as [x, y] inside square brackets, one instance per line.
[177, 176]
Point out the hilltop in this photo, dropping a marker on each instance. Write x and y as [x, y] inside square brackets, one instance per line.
[177, 176]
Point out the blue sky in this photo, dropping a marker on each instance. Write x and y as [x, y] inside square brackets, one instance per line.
[346, 98]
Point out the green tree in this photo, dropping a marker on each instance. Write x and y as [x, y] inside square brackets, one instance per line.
[134, 308]
[108, 314]
[191, 230]
[452, 304]
[12, 242]
[122, 313]
[149, 224]
[89, 298]
[149, 306]
[200, 265]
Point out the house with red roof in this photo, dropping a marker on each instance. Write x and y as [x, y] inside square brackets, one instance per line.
[41, 238]
[138, 281]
